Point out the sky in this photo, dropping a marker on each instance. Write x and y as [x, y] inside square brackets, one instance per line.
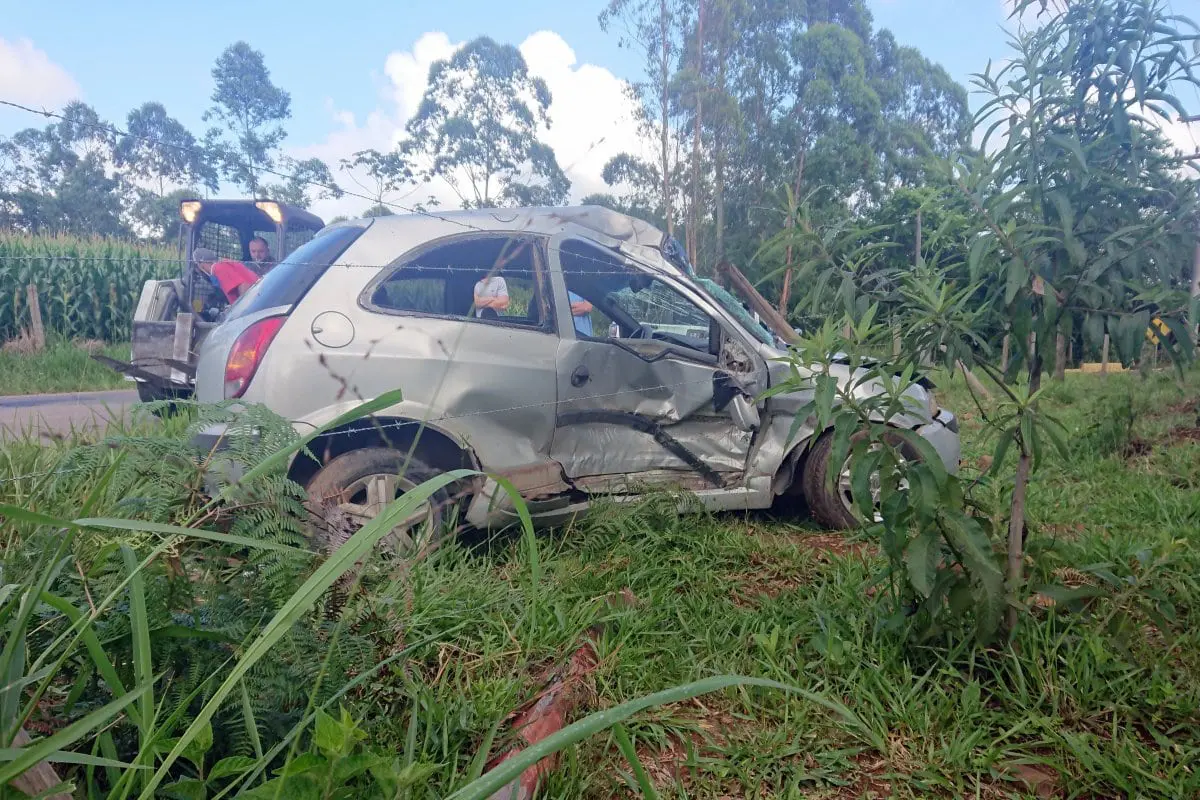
[356, 75]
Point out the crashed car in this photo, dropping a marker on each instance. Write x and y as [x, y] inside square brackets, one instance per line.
[598, 365]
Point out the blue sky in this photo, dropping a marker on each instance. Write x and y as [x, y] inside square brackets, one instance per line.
[353, 72]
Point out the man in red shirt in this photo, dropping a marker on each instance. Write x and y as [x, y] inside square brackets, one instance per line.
[232, 277]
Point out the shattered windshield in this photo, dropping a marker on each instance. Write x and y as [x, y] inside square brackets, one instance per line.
[739, 311]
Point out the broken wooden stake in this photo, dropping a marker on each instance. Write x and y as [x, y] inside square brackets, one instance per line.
[37, 330]
[41, 777]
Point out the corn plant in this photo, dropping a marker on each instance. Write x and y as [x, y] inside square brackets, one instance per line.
[87, 288]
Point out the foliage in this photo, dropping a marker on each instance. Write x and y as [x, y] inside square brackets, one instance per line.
[59, 179]
[249, 110]
[802, 93]
[478, 124]
[87, 288]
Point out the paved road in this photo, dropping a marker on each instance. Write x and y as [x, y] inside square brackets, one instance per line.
[59, 414]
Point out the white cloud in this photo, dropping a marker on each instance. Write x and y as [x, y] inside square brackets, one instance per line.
[28, 76]
[592, 117]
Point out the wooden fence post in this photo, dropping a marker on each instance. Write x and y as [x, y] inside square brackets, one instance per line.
[35, 318]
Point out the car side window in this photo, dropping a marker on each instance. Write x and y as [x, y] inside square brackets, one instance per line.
[630, 305]
[486, 279]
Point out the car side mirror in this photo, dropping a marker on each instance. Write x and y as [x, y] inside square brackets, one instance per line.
[745, 414]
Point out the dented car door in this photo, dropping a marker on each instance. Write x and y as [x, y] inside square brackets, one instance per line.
[645, 394]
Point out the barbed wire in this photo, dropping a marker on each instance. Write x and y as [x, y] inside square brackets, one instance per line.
[378, 426]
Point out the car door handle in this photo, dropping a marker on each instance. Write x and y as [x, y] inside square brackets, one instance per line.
[580, 376]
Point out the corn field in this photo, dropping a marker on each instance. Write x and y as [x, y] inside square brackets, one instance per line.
[87, 288]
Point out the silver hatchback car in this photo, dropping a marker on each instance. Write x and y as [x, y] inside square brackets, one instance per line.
[572, 351]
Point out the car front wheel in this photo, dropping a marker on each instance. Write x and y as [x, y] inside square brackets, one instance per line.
[832, 505]
[355, 487]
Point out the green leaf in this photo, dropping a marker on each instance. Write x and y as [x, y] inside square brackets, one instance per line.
[1018, 278]
[17, 514]
[625, 745]
[844, 427]
[186, 789]
[37, 751]
[1070, 144]
[231, 765]
[979, 248]
[71, 757]
[328, 735]
[139, 627]
[304, 763]
[921, 559]
[1093, 329]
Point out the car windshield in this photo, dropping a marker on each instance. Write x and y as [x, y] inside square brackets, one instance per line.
[731, 304]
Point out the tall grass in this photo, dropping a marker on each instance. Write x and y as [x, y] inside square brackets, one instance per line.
[159, 645]
[87, 288]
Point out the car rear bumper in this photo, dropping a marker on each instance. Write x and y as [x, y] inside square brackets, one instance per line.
[214, 443]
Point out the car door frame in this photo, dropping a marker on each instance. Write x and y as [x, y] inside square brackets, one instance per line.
[739, 389]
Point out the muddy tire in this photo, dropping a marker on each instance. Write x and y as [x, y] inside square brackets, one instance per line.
[352, 488]
[825, 502]
[832, 505]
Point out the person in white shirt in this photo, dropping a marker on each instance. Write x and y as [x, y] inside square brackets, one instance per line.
[491, 293]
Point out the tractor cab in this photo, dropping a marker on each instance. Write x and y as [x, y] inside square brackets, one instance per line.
[227, 227]
[174, 315]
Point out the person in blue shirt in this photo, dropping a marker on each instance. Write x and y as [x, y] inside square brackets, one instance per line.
[581, 311]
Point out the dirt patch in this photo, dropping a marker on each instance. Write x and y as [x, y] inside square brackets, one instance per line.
[1183, 435]
[1189, 406]
[766, 577]
[824, 545]
[89, 346]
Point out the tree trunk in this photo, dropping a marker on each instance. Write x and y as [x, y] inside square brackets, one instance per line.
[665, 120]
[1060, 357]
[694, 232]
[719, 152]
[1104, 357]
[784, 294]
[917, 254]
[1016, 520]
[1004, 352]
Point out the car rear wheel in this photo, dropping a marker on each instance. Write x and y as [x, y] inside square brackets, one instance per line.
[352, 489]
[833, 505]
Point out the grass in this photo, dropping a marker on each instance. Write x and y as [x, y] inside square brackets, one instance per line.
[1092, 699]
[62, 367]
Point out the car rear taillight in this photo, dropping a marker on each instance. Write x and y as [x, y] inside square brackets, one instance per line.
[247, 354]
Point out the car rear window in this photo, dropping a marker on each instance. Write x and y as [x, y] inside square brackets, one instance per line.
[288, 282]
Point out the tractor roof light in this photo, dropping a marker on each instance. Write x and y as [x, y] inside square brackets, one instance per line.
[271, 209]
[189, 210]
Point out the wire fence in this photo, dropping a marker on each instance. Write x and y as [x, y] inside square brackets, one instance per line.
[410, 423]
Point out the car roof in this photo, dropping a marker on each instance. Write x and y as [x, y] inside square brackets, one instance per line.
[539, 220]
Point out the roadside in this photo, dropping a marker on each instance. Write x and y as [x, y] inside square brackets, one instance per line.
[36, 415]
[62, 367]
